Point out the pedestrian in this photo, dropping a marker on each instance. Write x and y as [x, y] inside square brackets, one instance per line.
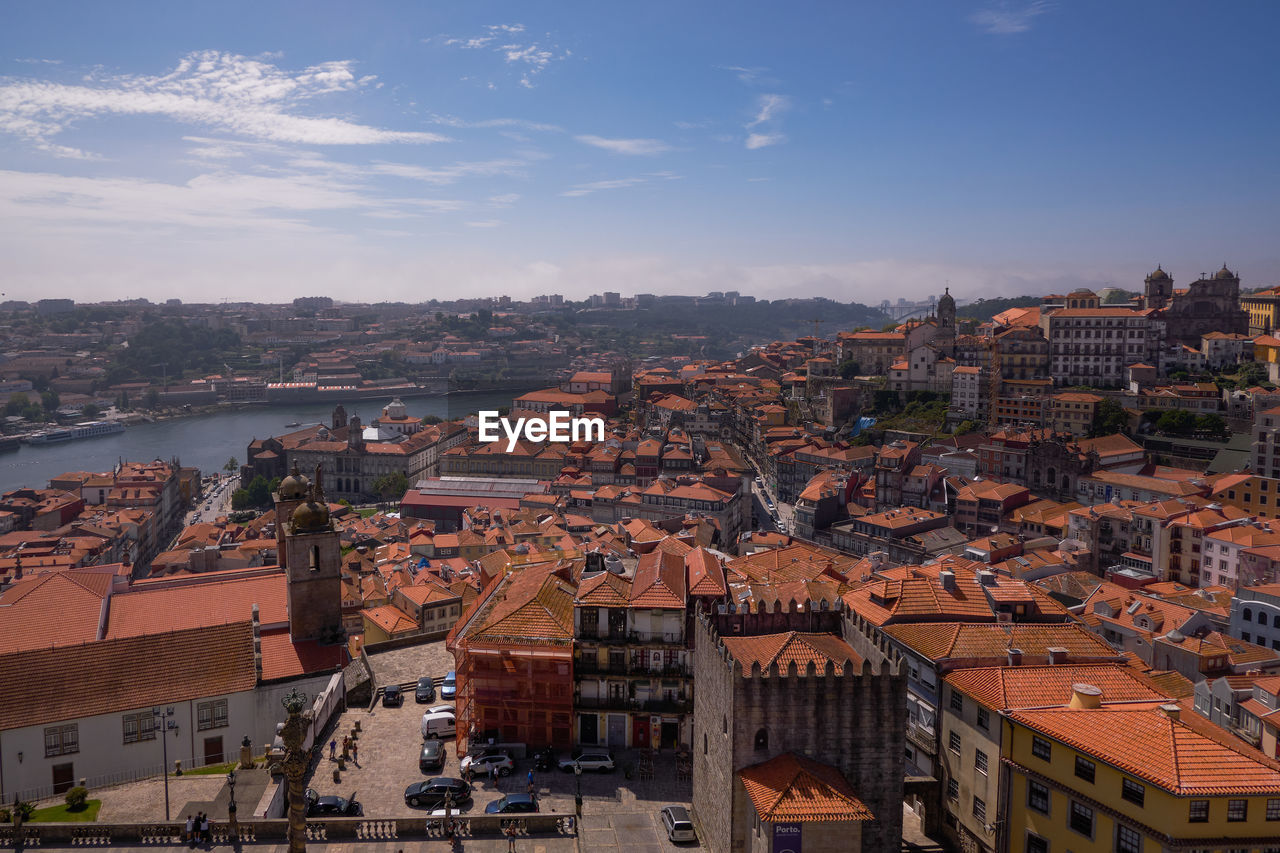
[333, 749]
[493, 775]
[530, 777]
[205, 834]
[355, 753]
[511, 839]
[190, 828]
[466, 773]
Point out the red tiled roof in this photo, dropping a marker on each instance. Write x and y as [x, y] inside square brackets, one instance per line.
[659, 581]
[283, 658]
[1003, 687]
[792, 788]
[188, 605]
[55, 609]
[792, 647]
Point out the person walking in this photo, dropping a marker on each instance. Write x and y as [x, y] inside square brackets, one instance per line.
[333, 749]
[493, 775]
[190, 828]
[205, 834]
[355, 753]
[511, 839]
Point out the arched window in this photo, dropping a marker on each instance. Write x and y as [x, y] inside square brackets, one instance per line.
[762, 739]
[1248, 614]
[704, 743]
[315, 558]
[1262, 617]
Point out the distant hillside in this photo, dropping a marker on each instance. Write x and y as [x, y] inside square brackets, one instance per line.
[984, 309]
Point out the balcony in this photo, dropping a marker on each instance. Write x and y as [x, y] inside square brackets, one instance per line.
[592, 667]
[633, 669]
[657, 638]
[922, 737]
[627, 703]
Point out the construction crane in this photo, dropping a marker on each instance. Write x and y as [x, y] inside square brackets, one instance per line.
[817, 321]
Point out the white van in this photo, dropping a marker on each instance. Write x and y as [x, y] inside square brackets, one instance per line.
[439, 724]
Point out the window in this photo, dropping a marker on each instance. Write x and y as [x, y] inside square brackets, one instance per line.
[1081, 819]
[1237, 810]
[980, 761]
[1273, 809]
[61, 740]
[1037, 797]
[953, 743]
[957, 701]
[211, 715]
[1128, 840]
[1133, 792]
[953, 789]
[1040, 747]
[139, 727]
[762, 739]
[979, 808]
[1085, 769]
[984, 719]
[1036, 844]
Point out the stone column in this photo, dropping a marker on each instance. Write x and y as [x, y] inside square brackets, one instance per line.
[295, 767]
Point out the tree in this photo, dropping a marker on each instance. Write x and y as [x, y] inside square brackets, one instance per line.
[50, 401]
[232, 466]
[1176, 422]
[17, 403]
[90, 411]
[848, 369]
[965, 427]
[431, 420]
[391, 486]
[1109, 417]
[151, 401]
[1212, 427]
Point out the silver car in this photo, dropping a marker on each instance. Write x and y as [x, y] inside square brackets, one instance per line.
[675, 819]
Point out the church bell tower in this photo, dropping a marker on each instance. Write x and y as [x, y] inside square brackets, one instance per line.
[311, 554]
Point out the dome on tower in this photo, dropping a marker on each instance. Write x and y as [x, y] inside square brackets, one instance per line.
[1158, 275]
[310, 517]
[1224, 273]
[294, 487]
[946, 300]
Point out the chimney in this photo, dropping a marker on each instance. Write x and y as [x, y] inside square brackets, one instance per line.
[1171, 711]
[1015, 657]
[986, 577]
[947, 580]
[1085, 696]
[1057, 655]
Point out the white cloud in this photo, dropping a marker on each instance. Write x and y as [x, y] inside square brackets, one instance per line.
[242, 96]
[504, 200]
[1008, 18]
[768, 108]
[454, 121]
[533, 57]
[644, 147]
[484, 223]
[743, 73]
[39, 61]
[764, 140]
[579, 190]
[693, 125]
[452, 173]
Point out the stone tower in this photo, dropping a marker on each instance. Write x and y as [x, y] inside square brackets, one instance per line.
[291, 493]
[312, 559]
[945, 340]
[1159, 289]
[339, 417]
[355, 433]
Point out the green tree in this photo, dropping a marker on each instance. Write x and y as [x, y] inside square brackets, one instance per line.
[848, 368]
[17, 403]
[965, 427]
[1213, 427]
[391, 486]
[90, 411]
[1176, 422]
[50, 401]
[1108, 418]
[431, 420]
[151, 401]
[232, 466]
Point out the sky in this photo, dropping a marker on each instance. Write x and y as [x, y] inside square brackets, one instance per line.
[409, 151]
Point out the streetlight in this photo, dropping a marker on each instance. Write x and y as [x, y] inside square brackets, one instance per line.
[231, 807]
[165, 724]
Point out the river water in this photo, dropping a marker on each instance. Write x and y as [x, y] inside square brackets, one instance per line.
[208, 441]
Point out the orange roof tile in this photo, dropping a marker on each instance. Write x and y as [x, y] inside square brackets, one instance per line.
[283, 658]
[792, 788]
[55, 609]
[198, 602]
[604, 590]
[533, 605]
[1149, 745]
[1004, 687]
[792, 647]
[659, 581]
[976, 641]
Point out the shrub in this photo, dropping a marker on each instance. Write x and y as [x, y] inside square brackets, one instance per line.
[77, 797]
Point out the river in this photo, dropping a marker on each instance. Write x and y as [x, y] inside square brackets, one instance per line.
[208, 441]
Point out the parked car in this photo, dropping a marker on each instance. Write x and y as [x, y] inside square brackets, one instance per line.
[675, 819]
[480, 764]
[441, 709]
[433, 755]
[432, 792]
[442, 724]
[601, 761]
[449, 689]
[392, 696]
[512, 803]
[425, 691]
[331, 806]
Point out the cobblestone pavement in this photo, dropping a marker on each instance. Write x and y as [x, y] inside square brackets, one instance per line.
[401, 666]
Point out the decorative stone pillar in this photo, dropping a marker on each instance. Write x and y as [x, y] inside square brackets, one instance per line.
[295, 766]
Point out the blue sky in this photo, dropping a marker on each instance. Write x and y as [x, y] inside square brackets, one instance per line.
[405, 151]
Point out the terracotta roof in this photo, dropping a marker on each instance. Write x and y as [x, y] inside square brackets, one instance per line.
[133, 673]
[55, 609]
[199, 602]
[659, 581]
[792, 788]
[792, 647]
[604, 590]
[1148, 745]
[1003, 687]
[532, 606]
[706, 575]
[970, 641]
[283, 658]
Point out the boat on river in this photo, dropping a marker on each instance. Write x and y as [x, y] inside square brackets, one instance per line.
[75, 432]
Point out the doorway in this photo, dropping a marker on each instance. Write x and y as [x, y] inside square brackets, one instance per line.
[640, 732]
[670, 735]
[617, 731]
[213, 750]
[64, 778]
[589, 729]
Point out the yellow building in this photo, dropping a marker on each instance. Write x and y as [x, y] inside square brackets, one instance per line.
[1255, 495]
[1264, 310]
[1133, 778]
[1072, 412]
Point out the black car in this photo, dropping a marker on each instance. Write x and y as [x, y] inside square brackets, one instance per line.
[425, 691]
[512, 803]
[392, 696]
[331, 805]
[432, 792]
[432, 756]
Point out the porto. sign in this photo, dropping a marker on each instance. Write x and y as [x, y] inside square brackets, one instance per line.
[786, 838]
